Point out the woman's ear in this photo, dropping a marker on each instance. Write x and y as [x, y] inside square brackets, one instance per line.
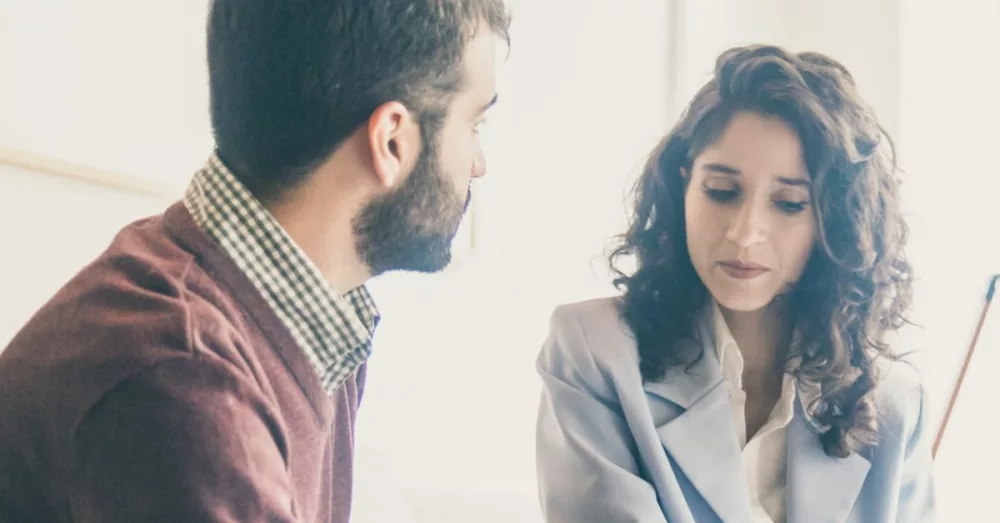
[685, 176]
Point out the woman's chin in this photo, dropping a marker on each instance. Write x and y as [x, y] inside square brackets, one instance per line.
[741, 300]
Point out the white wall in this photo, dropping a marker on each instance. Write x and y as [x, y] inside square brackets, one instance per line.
[117, 84]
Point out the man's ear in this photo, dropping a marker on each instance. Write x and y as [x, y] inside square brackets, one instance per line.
[394, 141]
[685, 174]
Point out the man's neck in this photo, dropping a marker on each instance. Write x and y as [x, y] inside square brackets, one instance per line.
[326, 237]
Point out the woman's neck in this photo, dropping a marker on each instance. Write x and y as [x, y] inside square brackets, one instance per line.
[759, 335]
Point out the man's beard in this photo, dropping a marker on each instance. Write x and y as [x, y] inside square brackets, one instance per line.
[412, 227]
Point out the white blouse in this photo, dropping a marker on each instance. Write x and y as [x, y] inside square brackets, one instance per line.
[764, 456]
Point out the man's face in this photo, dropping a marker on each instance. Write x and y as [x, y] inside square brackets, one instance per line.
[412, 227]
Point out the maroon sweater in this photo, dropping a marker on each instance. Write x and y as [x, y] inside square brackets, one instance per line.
[157, 385]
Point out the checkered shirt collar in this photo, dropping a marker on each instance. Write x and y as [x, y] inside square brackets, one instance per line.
[333, 330]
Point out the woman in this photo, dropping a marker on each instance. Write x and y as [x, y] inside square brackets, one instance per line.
[744, 374]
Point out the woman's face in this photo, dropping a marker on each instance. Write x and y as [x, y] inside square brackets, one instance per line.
[749, 227]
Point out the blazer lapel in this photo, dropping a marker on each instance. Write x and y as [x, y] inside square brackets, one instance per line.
[820, 488]
[702, 439]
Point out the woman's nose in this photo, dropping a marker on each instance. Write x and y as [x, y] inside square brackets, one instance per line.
[748, 227]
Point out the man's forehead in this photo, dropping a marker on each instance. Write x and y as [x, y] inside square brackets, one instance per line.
[480, 65]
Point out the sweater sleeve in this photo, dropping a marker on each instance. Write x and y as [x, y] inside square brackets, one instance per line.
[187, 440]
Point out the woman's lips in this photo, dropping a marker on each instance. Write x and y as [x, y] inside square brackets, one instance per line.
[742, 271]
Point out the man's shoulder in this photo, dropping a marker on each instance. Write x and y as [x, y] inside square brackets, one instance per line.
[143, 301]
[144, 284]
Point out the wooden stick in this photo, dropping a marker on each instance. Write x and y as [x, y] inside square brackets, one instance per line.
[45, 164]
[965, 364]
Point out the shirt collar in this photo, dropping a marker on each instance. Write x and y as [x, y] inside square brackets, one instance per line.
[731, 362]
[726, 350]
[334, 330]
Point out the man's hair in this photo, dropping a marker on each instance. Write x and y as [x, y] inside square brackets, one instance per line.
[290, 80]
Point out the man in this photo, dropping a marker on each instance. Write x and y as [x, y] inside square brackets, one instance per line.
[208, 366]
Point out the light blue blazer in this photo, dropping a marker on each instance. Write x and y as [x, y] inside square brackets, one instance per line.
[611, 449]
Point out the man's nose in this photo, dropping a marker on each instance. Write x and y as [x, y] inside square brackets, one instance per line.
[479, 165]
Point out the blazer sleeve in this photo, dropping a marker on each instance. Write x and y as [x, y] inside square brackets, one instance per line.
[916, 502]
[183, 441]
[585, 455]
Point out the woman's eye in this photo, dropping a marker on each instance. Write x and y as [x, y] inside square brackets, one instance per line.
[790, 207]
[721, 195]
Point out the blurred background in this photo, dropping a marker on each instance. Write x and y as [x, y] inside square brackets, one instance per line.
[103, 119]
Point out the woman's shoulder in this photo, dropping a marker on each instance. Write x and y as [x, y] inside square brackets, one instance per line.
[590, 333]
[588, 312]
[900, 400]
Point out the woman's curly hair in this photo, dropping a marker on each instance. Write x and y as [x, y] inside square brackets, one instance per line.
[857, 284]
